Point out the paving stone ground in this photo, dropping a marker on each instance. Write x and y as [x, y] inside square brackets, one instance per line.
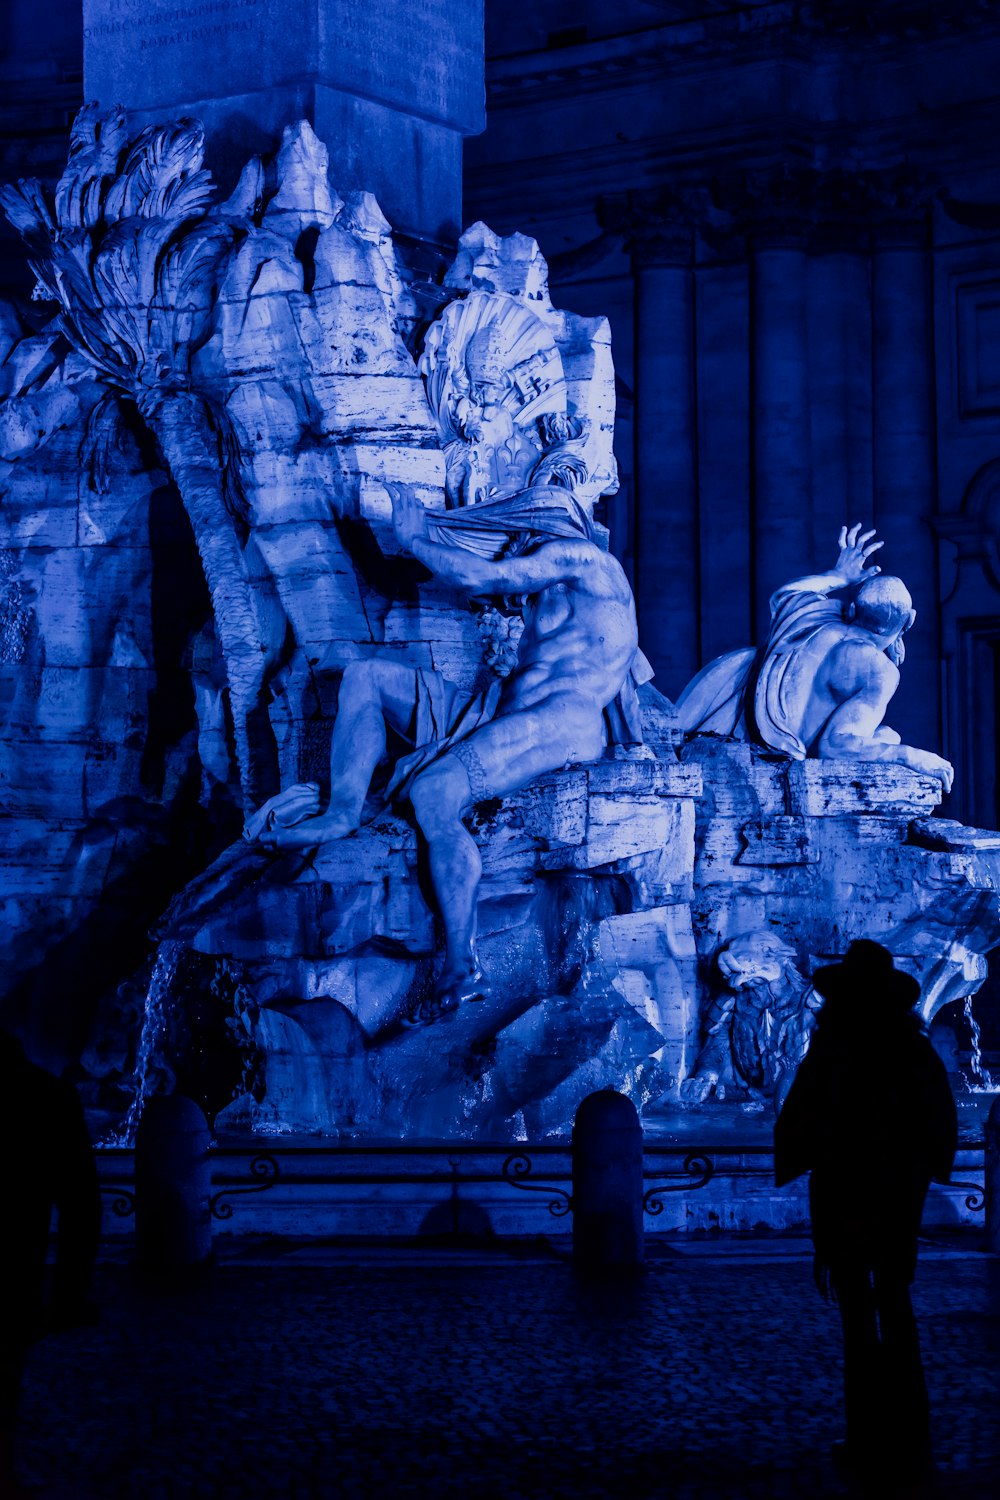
[311, 1372]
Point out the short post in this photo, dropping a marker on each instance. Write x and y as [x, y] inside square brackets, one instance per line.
[992, 1178]
[607, 1183]
[173, 1180]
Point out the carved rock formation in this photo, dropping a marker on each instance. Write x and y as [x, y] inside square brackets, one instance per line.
[194, 540]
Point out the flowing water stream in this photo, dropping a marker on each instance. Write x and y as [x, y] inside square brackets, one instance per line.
[983, 1081]
[151, 1065]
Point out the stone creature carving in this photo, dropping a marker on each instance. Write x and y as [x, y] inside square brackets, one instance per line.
[822, 681]
[496, 386]
[130, 258]
[757, 1031]
[501, 635]
[577, 655]
[945, 943]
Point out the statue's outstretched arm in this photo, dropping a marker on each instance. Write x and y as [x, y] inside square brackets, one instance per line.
[554, 562]
[856, 547]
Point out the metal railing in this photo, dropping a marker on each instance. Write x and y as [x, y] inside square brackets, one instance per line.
[242, 1169]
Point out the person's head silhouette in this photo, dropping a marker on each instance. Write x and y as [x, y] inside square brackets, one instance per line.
[11, 1052]
[866, 976]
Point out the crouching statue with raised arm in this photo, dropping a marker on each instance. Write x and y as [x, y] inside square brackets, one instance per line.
[821, 683]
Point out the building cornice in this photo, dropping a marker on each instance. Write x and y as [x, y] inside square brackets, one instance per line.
[795, 32]
[935, 142]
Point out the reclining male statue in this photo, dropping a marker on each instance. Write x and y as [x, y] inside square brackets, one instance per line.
[576, 670]
[822, 681]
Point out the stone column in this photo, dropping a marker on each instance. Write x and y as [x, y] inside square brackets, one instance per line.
[390, 86]
[781, 469]
[722, 361]
[666, 469]
[840, 363]
[904, 462]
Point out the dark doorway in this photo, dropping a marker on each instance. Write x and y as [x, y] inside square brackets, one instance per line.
[981, 721]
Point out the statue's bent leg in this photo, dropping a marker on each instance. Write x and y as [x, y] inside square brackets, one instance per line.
[495, 759]
[439, 796]
[372, 695]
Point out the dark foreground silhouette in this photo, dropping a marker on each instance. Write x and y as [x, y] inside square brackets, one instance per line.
[50, 1165]
[870, 1116]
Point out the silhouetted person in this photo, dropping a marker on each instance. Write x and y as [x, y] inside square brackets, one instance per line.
[50, 1164]
[870, 1116]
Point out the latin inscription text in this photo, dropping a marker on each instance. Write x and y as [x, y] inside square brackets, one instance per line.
[132, 18]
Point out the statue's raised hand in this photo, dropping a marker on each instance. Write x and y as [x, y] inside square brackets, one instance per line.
[409, 519]
[856, 547]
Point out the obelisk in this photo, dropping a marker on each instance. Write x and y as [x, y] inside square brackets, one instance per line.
[391, 86]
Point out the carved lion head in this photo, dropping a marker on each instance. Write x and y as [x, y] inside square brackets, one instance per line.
[755, 957]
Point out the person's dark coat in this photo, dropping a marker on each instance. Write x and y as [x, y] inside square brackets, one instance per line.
[870, 1115]
[51, 1167]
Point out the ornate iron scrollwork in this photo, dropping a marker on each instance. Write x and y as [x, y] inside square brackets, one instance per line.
[123, 1204]
[519, 1166]
[265, 1171]
[975, 1198]
[697, 1170]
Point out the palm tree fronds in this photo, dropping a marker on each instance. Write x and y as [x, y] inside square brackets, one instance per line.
[103, 434]
[162, 176]
[95, 147]
[233, 493]
[27, 208]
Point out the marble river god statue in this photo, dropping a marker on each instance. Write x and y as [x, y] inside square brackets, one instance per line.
[822, 681]
[577, 652]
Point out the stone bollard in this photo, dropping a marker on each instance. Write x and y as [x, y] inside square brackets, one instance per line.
[992, 1178]
[173, 1183]
[607, 1183]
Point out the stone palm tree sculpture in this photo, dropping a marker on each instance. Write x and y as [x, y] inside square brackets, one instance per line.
[126, 251]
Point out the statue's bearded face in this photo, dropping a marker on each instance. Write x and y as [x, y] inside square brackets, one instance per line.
[518, 543]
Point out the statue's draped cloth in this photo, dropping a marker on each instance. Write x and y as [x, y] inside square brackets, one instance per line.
[444, 714]
[743, 694]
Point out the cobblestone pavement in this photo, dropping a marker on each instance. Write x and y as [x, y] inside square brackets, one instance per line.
[323, 1373]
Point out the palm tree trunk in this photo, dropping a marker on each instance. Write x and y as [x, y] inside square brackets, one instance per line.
[248, 617]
